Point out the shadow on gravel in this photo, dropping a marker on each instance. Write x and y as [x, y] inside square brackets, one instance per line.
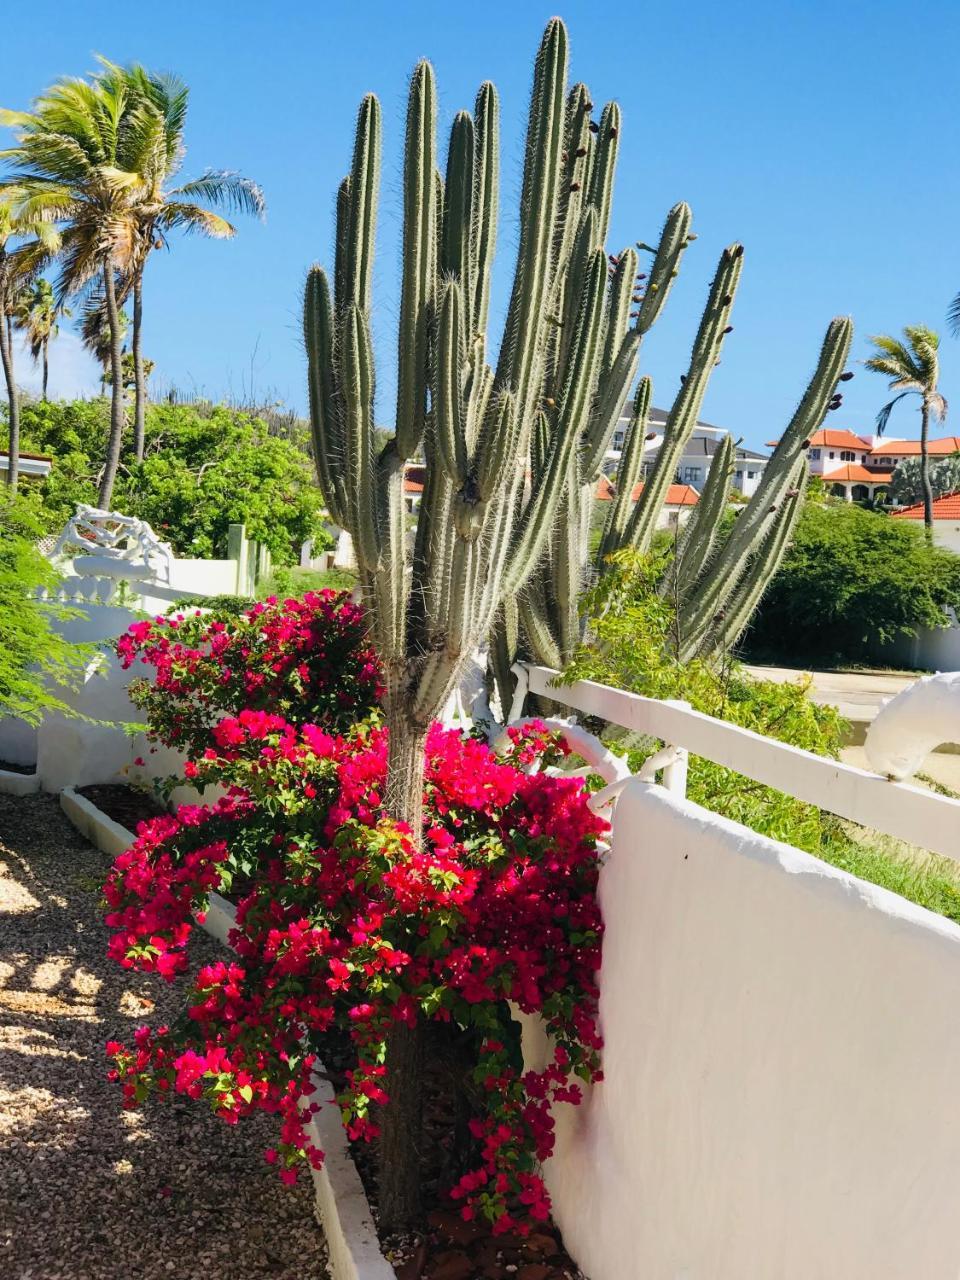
[88, 1191]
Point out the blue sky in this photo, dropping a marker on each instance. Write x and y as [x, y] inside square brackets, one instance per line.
[823, 134]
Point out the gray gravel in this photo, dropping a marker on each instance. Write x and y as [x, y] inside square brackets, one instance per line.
[88, 1191]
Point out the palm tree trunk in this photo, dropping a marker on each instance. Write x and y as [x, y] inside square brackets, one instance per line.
[398, 1172]
[139, 381]
[13, 405]
[925, 471]
[46, 366]
[117, 417]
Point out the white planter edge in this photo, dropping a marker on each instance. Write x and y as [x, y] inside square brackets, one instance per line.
[18, 784]
[341, 1203]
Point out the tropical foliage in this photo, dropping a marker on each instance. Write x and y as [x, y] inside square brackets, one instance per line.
[95, 157]
[852, 582]
[34, 657]
[906, 487]
[913, 368]
[204, 467]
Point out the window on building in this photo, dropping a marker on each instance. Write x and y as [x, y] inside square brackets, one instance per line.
[831, 453]
[815, 454]
[691, 475]
[847, 455]
[739, 476]
[751, 475]
[618, 439]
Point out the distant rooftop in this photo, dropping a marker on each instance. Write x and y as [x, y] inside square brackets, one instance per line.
[945, 508]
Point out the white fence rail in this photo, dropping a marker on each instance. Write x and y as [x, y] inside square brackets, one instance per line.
[895, 808]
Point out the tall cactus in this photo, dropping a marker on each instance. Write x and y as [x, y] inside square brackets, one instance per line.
[513, 449]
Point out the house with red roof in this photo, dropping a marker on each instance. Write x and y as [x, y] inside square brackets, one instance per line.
[858, 467]
[946, 519]
[677, 506]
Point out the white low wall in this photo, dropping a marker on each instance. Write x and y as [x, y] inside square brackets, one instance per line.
[782, 1057]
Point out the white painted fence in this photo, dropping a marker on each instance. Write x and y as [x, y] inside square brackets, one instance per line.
[782, 1040]
[896, 808]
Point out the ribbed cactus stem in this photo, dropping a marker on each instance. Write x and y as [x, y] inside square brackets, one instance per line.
[604, 166]
[448, 413]
[666, 263]
[356, 371]
[628, 473]
[364, 194]
[683, 416]
[696, 542]
[763, 567]
[319, 340]
[722, 575]
[420, 212]
[486, 200]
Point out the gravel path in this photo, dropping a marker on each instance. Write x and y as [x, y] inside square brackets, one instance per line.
[88, 1191]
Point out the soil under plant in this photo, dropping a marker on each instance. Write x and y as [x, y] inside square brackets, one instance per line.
[444, 1246]
[123, 803]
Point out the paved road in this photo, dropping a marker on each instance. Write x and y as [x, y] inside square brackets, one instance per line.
[858, 694]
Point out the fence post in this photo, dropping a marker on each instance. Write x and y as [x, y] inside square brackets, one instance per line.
[675, 773]
[237, 551]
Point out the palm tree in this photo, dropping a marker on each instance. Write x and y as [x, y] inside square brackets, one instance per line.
[96, 335]
[67, 167]
[153, 148]
[16, 225]
[913, 367]
[36, 315]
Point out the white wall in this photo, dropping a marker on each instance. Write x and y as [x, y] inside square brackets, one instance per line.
[946, 533]
[781, 1067]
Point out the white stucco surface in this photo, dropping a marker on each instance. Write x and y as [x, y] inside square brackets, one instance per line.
[781, 1067]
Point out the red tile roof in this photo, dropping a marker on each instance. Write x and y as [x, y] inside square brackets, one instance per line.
[945, 445]
[678, 495]
[945, 508]
[34, 457]
[852, 473]
[830, 439]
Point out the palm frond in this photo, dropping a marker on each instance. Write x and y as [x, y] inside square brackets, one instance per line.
[883, 417]
[227, 189]
[193, 217]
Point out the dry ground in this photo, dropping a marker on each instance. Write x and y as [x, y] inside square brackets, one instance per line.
[87, 1191]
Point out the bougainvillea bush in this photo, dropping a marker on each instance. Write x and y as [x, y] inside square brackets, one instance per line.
[343, 923]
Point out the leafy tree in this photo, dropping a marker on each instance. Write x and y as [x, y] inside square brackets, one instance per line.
[906, 487]
[853, 580]
[37, 315]
[204, 468]
[913, 368]
[34, 657]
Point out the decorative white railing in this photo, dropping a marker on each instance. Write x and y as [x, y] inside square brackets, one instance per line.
[894, 808]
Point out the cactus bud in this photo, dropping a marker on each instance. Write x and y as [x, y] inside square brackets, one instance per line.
[793, 493]
[728, 329]
[771, 509]
[594, 127]
[654, 287]
[726, 300]
[574, 186]
[641, 275]
[805, 444]
[614, 131]
[550, 402]
[634, 315]
[588, 106]
[845, 377]
[691, 235]
[645, 248]
[651, 435]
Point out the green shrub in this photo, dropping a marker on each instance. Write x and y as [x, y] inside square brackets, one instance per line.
[852, 581]
[205, 467]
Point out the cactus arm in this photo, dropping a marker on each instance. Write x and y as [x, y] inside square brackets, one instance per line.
[628, 473]
[341, 247]
[318, 335]
[726, 568]
[604, 166]
[420, 204]
[538, 630]
[618, 307]
[763, 567]
[696, 542]
[497, 452]
[584, 360]
[569, 562]
[686, 407]
[448, 419]
[486, 200]
[673, 241]
[456, 252]
[521, 352]
[364, 190]
[575, 174]
[606, 413]
[356, 372]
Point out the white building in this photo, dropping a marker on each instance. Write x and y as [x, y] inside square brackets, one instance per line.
[694, 466]
[858, 467]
